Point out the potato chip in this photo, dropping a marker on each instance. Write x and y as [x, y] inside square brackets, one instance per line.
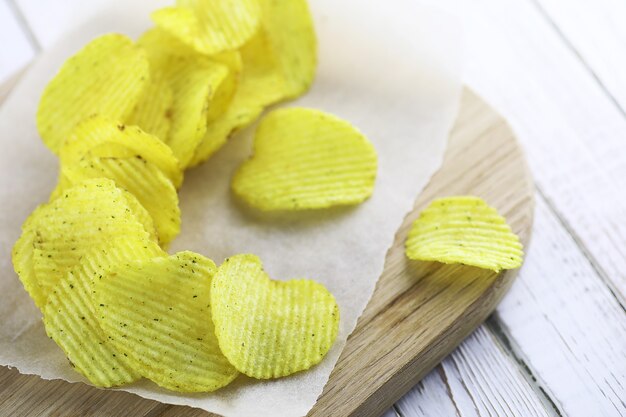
[142, 179]
[278, 63]
[269, 329]
[153, 111]
[211, 26]
[202, 88]
[306, 159]
[158, 313]
[106, 77]
[69, 314]
[100, 136]
[86, 215]
[291, 36]
[464, 230]
[140, 212]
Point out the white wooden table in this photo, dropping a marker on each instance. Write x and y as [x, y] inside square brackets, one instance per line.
[557, 70]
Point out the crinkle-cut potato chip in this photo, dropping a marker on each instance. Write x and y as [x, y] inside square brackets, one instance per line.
[86, 215]
[464, 230]
[202, 89]
[211, 26]
[108, 77]
[153, 111]
[306, 159]
[269, 329]
[69, 314]
[158, 313]
[100, 136]
[154, 191]
[291, 37]
[141, 213]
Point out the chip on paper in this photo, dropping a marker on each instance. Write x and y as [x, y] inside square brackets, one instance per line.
[153, 111]
[306, 159]
[158, 313]
[106, 77]
[99, 136]
[211, 26]
[59, 233]
[142, 179]
[465, 230]
[202, 89]
[69, 314]
[269, 329]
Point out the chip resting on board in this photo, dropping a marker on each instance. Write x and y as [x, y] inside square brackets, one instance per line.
[306, 159]
[278, 63]
[144, 180]
[69, 313]
[106, 77]
[99, 136]
[153, 111]
[158, 313]
[202, 88]
[464, 230]
[59, 233]
[268, 329]
[211, 26]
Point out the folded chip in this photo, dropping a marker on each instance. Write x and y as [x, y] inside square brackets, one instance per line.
[306, 159]
[269, 329]
[99, 136]
[106, 77]
[202, 89]
[153, 112]
[278, 63]
[158, 313]
[69, 314]
[141, 178]
[211, 26]
[464, 230]
[59, 233]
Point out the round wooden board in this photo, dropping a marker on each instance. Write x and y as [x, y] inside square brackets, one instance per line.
[418, 314]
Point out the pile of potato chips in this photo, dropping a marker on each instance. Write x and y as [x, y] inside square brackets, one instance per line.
[126, 119]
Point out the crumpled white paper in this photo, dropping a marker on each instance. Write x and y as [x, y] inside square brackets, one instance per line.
[391, 68]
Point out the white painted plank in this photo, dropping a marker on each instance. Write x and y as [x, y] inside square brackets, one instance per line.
[478, 379]
[566, 325]
[573, 133]
[597, 32]
[16, 51]
[49, 20]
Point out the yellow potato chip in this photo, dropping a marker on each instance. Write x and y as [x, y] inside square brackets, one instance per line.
[202, 88]
[269, 329]
[464, 230]
[139, 211]
[69, 314]
[99, 136]
[142, 179]
[292, 40]
[158, 313]
[211, 26]
[153, 111]
[106, 77]
[306, 159]
[86, 215]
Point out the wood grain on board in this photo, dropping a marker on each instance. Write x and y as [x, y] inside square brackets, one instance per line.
[419, 311]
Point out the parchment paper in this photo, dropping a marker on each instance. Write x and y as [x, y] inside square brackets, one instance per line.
[391, 68]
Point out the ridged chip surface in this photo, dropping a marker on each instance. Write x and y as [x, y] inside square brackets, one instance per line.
[106, 77]
[69, 314]
[99, 136]
[158, 312]
[211, 26]
[464, 230]
[153, 111]
[268, 329]
[61, 232]
[154, 191]
[306, 159]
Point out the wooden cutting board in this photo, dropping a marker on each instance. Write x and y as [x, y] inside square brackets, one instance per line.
[420, 311]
